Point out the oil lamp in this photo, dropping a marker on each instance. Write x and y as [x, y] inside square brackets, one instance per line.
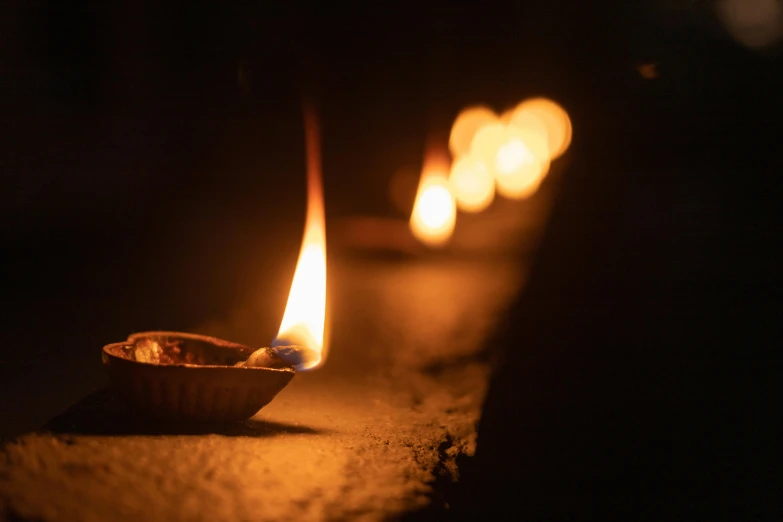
[190, 377]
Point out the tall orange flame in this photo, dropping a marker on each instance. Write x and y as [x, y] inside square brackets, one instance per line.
[304, 319]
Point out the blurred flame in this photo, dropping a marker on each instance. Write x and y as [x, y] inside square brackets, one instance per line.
[304, 318]
[518, 158]
[519, 170]
[513, 155]
[531, 128]
[465, 126]
[544, 117]
[510, 154]
[488, 139]
[472, 184]
[434, 211]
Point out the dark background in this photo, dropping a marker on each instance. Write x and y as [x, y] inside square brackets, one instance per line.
[152, 155]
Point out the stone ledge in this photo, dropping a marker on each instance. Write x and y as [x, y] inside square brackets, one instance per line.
[363, 438]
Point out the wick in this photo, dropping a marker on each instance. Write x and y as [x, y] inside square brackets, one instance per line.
[277, 357]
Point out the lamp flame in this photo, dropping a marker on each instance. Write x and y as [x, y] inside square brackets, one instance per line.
[465, 126]
[434, 211]
[472, 184]
[517, 157]
[546, 118]
[305, 313]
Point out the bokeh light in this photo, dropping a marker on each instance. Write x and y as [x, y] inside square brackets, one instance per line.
[487, 142]
[508, 154]
[468, 122]
[472, 184]
[757, 24]
[517, 159]
[539, 114]
[519, 171]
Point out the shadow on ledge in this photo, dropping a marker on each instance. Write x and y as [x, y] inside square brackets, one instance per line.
[104, 413]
